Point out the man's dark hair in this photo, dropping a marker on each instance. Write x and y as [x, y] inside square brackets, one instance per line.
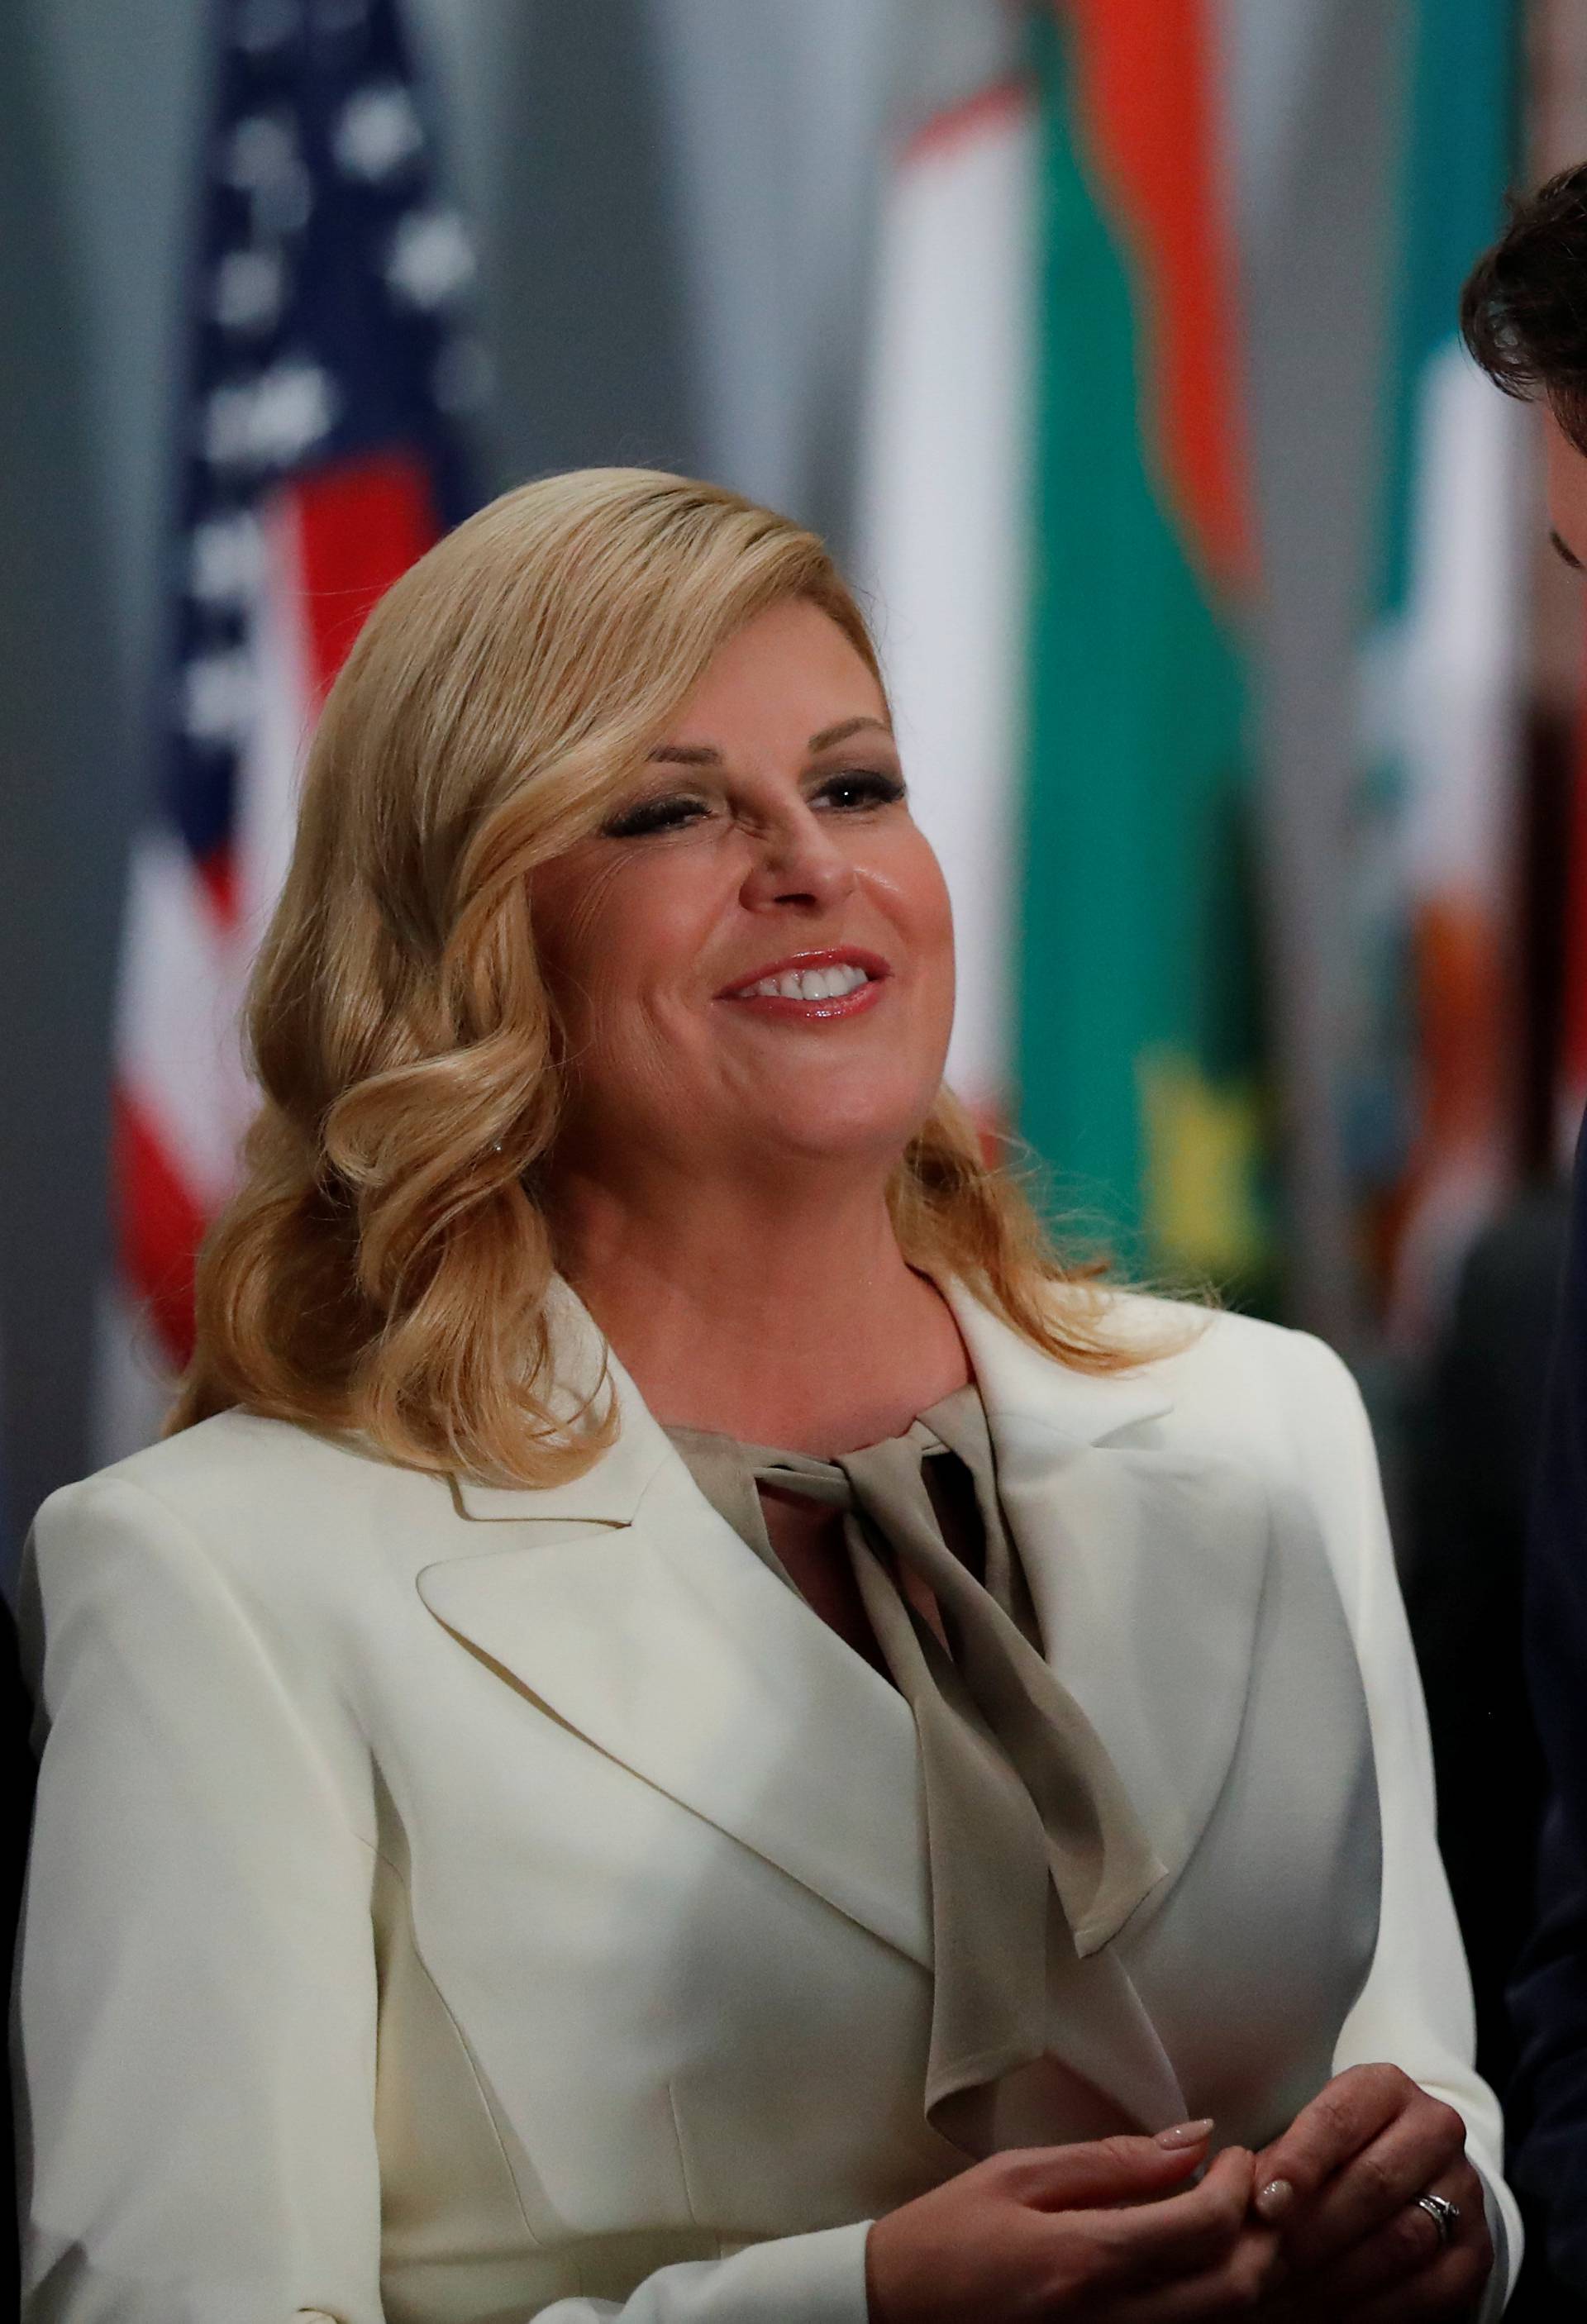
[1524, 308]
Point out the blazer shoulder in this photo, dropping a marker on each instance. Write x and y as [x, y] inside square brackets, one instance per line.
[1273, 1393]
[244, 1449]
[248, 1491]
[1179, 1338]
[1285, 1407]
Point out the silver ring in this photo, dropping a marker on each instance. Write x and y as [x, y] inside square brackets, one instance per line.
[1444, 2214]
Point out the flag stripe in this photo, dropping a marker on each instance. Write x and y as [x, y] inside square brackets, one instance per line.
[944, 526]
[159, 1227]
[986, 112]
[329, 354]
[1136, 1031]
[1144, 95]
[181, 984]
[358, 527]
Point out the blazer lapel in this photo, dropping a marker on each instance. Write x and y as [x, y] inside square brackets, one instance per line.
[626, 1605]
[1146, 1564]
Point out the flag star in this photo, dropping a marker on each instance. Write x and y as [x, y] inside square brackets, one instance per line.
[272, 420]
[378, 132]
[263, 145]
[262, 159]
[249, 289]
[226, 559]
[218, 696]
[430, 258]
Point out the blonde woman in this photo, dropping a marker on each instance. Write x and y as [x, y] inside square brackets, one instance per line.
[685, 1727]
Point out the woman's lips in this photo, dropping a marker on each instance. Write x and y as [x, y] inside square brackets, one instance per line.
[813, 988]
[809, 1012]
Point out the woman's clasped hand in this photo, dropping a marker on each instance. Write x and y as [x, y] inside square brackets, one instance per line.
[1324, 2224]
[1105, 2232]
[1343, 2186]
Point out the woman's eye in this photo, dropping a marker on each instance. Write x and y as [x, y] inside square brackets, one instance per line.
[670, 813]
[861, 788]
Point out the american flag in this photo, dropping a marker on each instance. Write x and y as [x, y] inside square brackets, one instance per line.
[330, 361]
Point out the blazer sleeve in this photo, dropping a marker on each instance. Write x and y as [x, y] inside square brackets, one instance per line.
[196, 2006]
[1414, 2010]
[195, 2016]
[814, 2279]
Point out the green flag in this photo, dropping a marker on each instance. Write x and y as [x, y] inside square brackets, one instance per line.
[1138, 1040]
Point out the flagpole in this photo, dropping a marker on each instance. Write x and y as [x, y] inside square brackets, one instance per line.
[1312, 207]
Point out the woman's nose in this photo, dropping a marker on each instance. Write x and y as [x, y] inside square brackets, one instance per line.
[797, 864]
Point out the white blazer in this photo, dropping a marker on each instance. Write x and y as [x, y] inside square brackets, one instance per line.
[455, 1905]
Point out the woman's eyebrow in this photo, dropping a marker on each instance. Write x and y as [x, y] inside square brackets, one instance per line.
[704, 754]
[687, 754]
[844, 728]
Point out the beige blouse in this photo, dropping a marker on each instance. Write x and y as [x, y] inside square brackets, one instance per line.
[1033, 1845]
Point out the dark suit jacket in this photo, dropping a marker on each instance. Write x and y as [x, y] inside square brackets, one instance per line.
[1472, 1449]
[1549, 2000]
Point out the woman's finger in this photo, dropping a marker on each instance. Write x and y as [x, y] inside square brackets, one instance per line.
[1236, 2285]
[1186, 2233]
[1102, 2171]
[1374, 2188]
[1397, 2254]
[1343, 2117]
[1445, 2292]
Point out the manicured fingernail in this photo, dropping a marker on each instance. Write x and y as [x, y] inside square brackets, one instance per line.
[1275, 2199]
[1186, 2133]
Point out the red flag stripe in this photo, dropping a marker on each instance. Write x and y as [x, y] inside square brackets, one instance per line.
[1144, 76]
[160, 1225]
[972, 114]
[360, 526]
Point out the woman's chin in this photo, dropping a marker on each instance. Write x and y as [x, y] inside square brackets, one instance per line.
[831, 1111]
[826, 1131]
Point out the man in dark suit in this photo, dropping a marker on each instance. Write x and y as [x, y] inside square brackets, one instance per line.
[1469, 1456]
[1524, 317]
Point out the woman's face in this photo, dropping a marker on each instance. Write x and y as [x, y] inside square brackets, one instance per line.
[753, 960]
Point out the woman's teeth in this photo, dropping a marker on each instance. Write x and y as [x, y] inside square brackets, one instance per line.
[807, 984]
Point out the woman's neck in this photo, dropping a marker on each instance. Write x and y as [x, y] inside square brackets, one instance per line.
[795, 1321]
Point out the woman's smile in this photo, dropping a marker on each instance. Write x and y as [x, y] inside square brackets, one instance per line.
[813, 988]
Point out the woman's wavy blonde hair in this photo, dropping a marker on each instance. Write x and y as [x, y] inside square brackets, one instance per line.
[385, 1265]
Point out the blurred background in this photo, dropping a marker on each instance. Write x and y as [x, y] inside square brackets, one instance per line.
[1112, 343]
